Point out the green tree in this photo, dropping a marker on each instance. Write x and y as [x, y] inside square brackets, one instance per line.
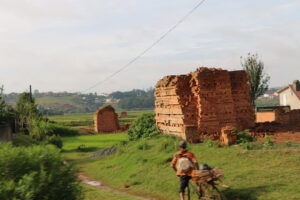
[143, 127]
[258, 79]
[6, 112]
[26, 109]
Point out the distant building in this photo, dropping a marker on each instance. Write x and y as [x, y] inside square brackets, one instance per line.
[290, 95]
[104, 94]
[271, 96]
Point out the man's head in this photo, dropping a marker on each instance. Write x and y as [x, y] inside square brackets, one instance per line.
[182, 144]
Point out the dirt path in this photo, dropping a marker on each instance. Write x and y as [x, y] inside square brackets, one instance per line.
[86, 180]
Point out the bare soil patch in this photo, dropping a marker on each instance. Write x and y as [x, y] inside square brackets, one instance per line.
[96, 184]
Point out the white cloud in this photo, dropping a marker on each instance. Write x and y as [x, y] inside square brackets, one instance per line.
[71, 44]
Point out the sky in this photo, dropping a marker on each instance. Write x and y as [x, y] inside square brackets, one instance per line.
[69, 45]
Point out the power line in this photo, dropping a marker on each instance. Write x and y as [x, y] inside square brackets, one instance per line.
[149, 48]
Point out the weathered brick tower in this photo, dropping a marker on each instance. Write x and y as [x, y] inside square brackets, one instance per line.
[200, 104]
[106, 120]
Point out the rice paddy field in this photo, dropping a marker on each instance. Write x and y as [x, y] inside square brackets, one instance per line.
[86, 120]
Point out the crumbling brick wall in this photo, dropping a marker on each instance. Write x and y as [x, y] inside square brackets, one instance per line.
[279, 115]
[106, 120]
[287, 117]
[200, 104]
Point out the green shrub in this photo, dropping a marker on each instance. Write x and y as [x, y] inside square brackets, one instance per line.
[23, 140]
[64, 131]
[39, 129]
[288, 144]
[82, 148]
[36, 173]
[143, 127]
[55, 140]
[268, 141]
[244, 137]
[210, 143]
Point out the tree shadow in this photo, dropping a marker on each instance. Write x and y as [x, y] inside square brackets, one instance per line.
[251, 193]
[82, 150]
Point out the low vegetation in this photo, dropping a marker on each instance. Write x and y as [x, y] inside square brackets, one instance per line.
[143, 127]
[86, 120]
[6, 112]
[143, 167]
[35, 173]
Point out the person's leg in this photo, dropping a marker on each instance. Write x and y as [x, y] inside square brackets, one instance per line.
[189, 192]
[184, 182]
[199, 190]
[181, 189]
[181, 195]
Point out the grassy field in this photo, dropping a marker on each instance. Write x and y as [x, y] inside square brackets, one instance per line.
[87, 120]
[143, 167]
[89, 143]
[95, 194]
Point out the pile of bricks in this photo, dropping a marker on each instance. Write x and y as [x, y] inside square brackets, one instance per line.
[198, 105]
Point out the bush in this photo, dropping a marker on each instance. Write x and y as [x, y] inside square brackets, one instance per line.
[35, 173]
[143, 127]
[210, 143]
[64, 131]
[288, 144]
[39, 129]
[23, 140]
[55, 140]
[268, 142]
[244, 137]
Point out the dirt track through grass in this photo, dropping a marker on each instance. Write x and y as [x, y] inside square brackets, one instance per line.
[96, 184]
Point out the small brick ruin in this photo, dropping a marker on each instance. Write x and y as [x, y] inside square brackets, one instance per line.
[228, 136]
[106, 120]
[198, 105]
[123, 114]
[280, 116]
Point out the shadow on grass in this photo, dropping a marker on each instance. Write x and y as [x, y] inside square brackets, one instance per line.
[84, 161]
[251, 193]
[83, 150]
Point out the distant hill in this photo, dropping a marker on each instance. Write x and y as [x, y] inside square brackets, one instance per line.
[273, 90]
[51, 103]
[60, 103]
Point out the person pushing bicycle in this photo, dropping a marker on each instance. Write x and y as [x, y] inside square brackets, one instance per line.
[184, 162]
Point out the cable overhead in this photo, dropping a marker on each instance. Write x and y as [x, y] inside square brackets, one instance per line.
[149, 48]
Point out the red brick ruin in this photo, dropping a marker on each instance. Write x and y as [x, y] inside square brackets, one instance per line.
[198, 105]
[123, 114]
[280, 116]
[106, 120]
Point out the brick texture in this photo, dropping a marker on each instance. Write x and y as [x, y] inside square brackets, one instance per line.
[201, 103]
[106, 120]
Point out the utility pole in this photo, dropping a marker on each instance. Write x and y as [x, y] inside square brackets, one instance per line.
[30, 92]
